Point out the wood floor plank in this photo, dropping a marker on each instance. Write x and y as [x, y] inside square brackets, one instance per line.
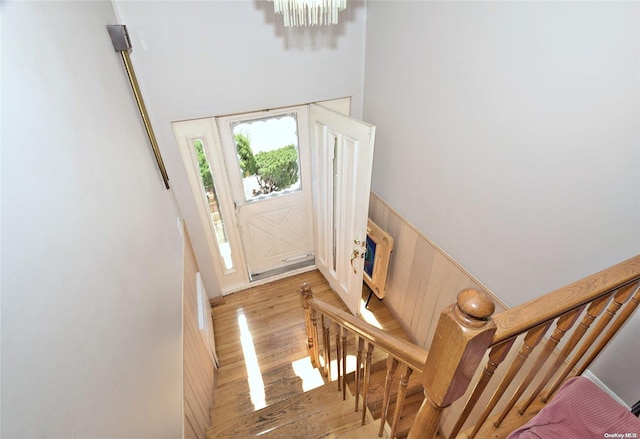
[269, 320]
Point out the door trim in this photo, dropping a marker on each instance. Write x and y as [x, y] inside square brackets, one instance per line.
[205, 129]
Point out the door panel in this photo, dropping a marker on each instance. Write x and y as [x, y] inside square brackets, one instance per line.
[276, 235]
[275, 214]
[343, 160]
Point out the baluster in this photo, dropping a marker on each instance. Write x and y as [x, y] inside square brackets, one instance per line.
[338, 354]
[316, 338]
[496, 357]
[310, 325]
[357, 371]
[619, 298]
[367, 375]
[326, 324]
[565, 322]
[402, 393]
[462, 337]
[392, 366]
[344, 363]
[617, 324]
[531, 340]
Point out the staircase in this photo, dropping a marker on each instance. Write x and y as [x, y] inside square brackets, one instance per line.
[275, 321]
[317, 413]
[263, 335]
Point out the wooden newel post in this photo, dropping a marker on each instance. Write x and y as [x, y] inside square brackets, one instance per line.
[462, 337]
[311, 325]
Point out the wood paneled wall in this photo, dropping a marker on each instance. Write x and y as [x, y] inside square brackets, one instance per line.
[423, 279]
[198, 372]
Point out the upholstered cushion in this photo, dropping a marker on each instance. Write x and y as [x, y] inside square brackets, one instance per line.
[580, 410]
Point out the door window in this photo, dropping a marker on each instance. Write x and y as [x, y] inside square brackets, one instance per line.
[268, 156]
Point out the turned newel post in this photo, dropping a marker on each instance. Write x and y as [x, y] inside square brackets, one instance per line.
[310, 323]
[463, 334]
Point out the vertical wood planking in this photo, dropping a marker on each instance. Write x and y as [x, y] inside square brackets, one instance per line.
[423, 279]
[393, 225]
[198, 370]
[423, 263]
[435, 292]
[446, 295]
[400, 269]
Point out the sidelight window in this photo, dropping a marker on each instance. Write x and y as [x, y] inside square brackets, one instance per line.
[217, 221]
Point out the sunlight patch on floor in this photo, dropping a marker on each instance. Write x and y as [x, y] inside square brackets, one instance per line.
[266, 431]
[311, 378]
[351, 366]
[254, 377]
[368, 316]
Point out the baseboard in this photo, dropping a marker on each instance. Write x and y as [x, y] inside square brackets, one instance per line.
[594, 379]
[216, 301]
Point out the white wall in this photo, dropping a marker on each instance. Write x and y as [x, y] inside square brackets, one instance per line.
[91, 273]
[202, 59]
[508, 132]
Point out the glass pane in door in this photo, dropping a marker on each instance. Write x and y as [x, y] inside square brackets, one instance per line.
[268, 156]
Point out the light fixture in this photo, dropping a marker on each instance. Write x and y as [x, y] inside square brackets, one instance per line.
[309, 12]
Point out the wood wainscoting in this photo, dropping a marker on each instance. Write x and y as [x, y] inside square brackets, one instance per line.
[198, 369]
[423, 279]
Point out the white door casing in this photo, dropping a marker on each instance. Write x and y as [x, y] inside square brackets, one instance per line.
[343, 160]
[341, 152]
[205, 130]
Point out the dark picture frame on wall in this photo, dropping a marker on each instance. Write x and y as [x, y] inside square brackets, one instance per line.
[376, 261]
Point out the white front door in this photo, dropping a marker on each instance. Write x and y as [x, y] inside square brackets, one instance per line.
[269, 169]
[343, 159]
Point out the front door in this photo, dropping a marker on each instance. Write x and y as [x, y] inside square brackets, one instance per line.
[343, 160]
[269, 170]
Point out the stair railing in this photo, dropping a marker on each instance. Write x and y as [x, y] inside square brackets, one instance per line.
[601, 303]
[402, 357]
[468, 334]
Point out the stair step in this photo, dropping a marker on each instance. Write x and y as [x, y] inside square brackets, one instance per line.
[410, 408]
[317, 413]
[413, 398]
[376, 388]
[279, 383]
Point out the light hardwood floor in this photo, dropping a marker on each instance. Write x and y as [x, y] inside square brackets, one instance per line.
[260, 339]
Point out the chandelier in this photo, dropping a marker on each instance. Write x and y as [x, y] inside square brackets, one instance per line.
[309, 12]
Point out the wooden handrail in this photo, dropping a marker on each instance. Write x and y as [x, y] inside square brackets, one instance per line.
[467, 330]
[399, 352]
[522, 318]
[616, 288]
[404, 351]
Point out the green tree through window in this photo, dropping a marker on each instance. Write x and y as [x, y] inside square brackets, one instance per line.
[205, 170]
[275, 170]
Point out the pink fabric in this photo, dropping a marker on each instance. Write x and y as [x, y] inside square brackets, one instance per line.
[580, 410]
